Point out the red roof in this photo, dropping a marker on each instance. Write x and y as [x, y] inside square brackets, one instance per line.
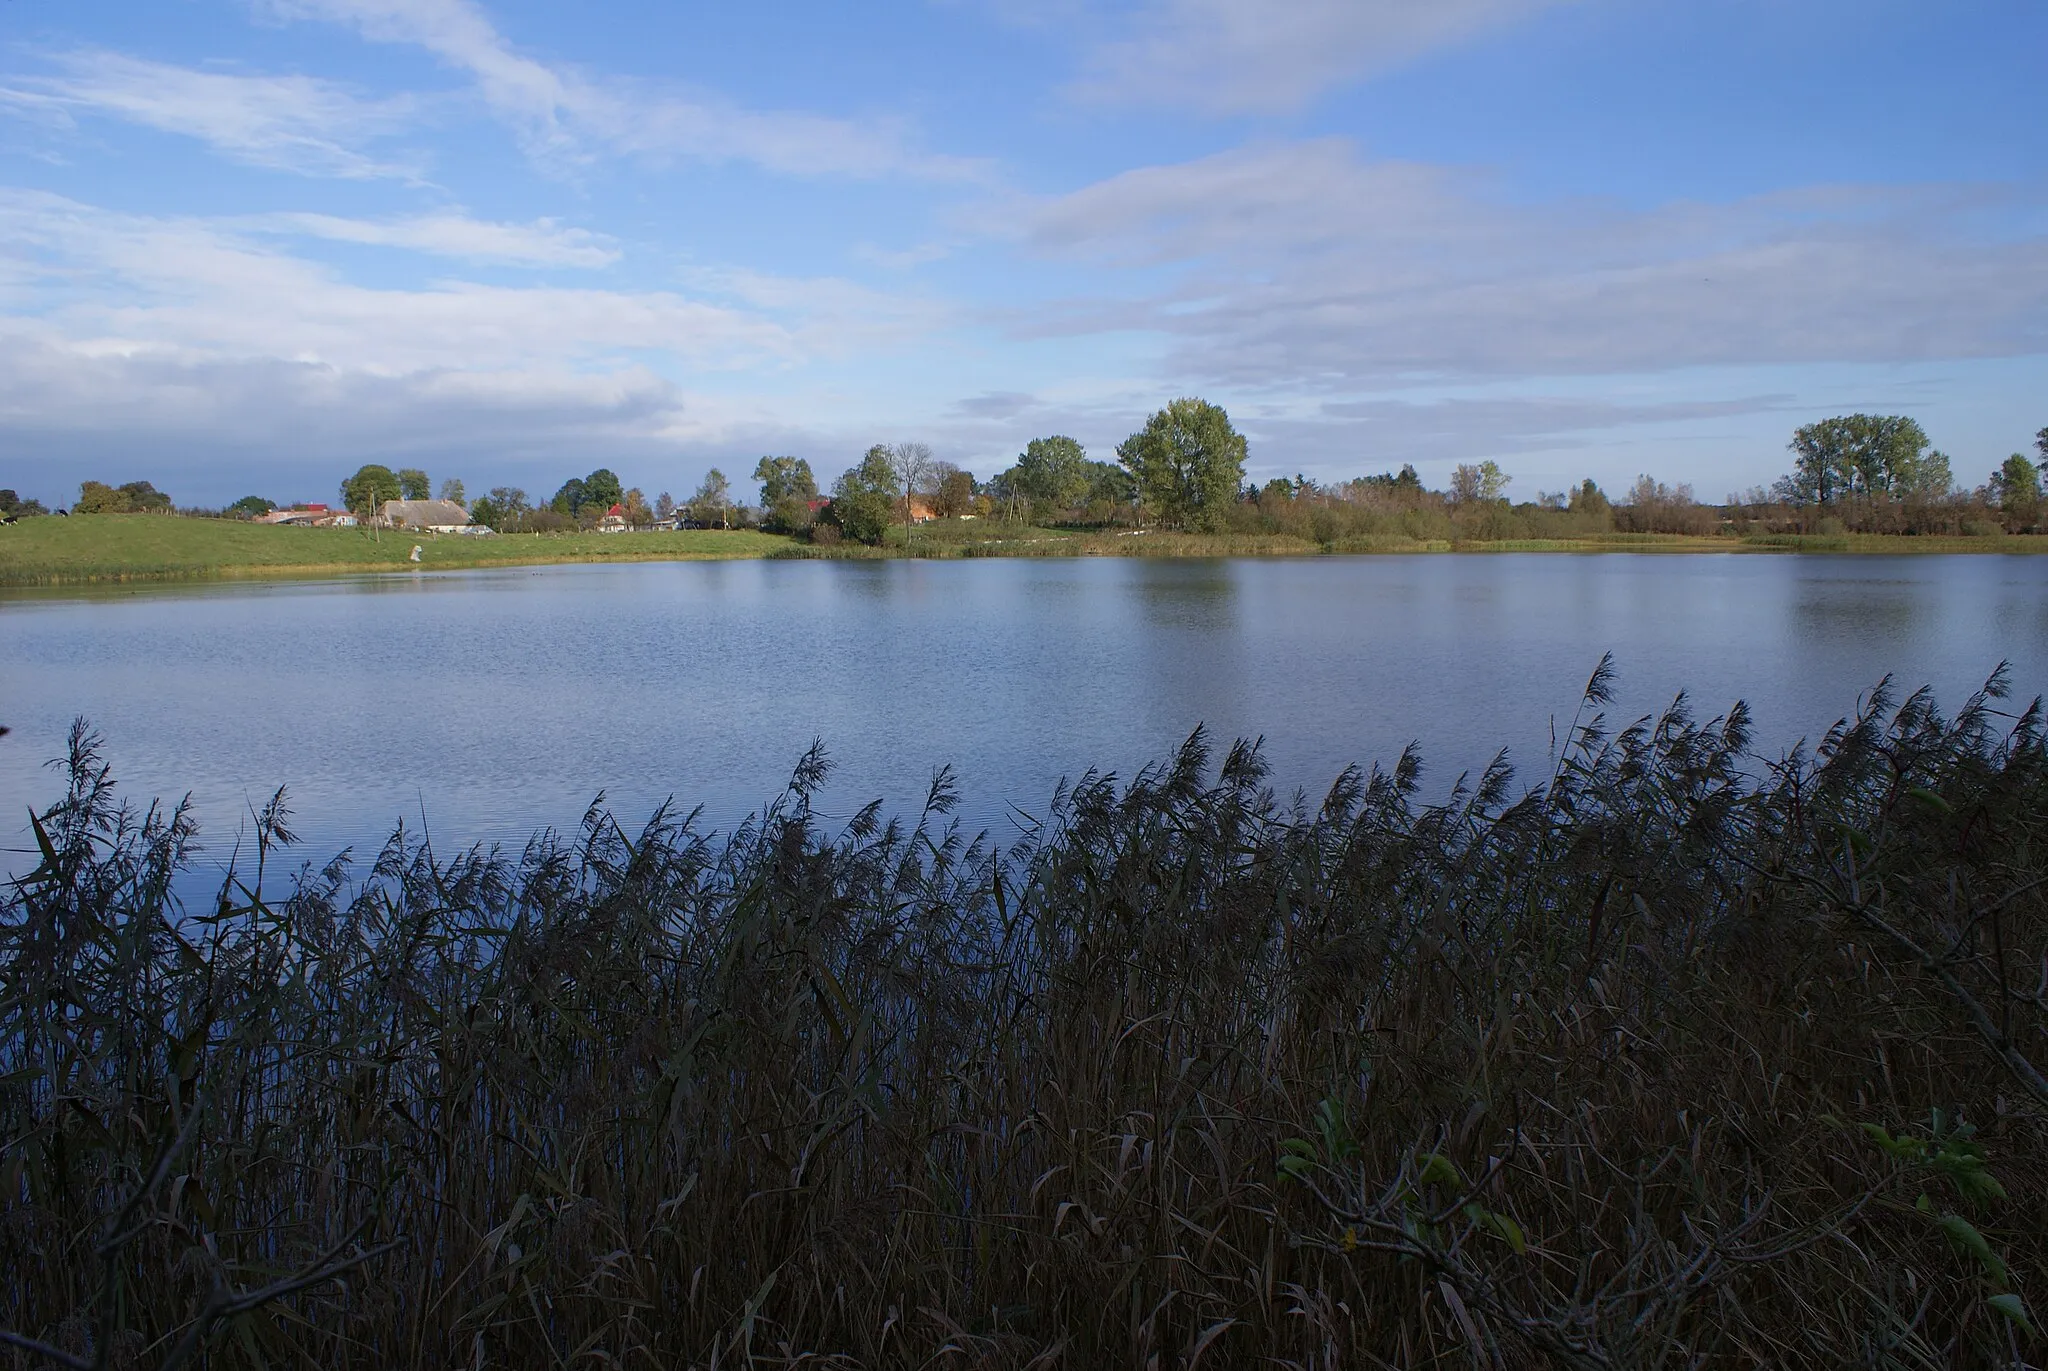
[618, 510]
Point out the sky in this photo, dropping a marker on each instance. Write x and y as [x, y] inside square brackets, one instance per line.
[248, 245]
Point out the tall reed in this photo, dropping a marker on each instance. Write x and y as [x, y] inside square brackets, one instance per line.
[1673, 1059]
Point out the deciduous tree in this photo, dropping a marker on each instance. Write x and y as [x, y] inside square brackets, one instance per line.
[97, 497]
[2016, 489]
[712, 500]
[365, 492]
[1590, 499]
[863, 498]
[1478, 483]
[787, 489]
[452, 489]
[1188, 462]
[602, 488]
[912, 465]
[413, 484]
[1053, 471]
[1860, 454]
[953, 491]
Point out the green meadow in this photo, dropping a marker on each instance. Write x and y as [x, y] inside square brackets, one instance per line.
[145, 547]
[114, 548]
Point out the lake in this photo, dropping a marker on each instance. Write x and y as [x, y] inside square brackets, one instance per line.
[495, 703]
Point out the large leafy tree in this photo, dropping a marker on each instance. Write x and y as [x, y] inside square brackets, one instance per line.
[2016, 489]
[250, 506]
[787, 489]
[1110, 484]
[365, 492]
[1590, 499]
[713, 501]
[414, 485]
[953, 491]
[504, 508]
[864, 498]
[602, 488]
[135, 497]
[1188, 462]
[1862, 454]
[145, 498]
[1053, 471]
[97, 497]
[1479, 483]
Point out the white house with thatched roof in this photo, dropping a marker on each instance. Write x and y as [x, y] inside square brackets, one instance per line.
[430, 516]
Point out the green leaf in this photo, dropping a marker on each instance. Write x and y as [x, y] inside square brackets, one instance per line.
[2014, 1308]
[1931, 800]
[1964, 1235]
[1500, 1225]
[1436, 1169]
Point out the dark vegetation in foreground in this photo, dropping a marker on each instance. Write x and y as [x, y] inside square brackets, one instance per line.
[1676, 1060]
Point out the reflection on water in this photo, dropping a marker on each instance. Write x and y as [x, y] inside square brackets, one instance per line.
[501, 701]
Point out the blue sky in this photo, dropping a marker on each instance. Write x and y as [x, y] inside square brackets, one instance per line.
[246, 245]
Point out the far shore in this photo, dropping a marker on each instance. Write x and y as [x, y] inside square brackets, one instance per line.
[116, 549]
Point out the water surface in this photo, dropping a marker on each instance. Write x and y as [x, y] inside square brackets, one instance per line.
[497, 702]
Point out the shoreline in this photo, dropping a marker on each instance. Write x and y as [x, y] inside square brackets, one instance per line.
[112, 551]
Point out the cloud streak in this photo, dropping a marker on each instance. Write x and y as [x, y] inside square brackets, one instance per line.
[281, 123]
[1304, 265]
[562, 115]
[1273, 56]
[542, 243]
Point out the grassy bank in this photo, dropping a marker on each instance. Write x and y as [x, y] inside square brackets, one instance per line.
[1678, 1060]
[115, 548]
[141, 547]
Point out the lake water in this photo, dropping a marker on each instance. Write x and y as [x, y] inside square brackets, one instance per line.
[499, 702]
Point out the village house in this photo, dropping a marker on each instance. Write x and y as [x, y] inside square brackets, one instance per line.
[614, 520]
[430, 516]
[309, 516]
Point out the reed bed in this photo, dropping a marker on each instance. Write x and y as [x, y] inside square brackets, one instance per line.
[1673, 1058]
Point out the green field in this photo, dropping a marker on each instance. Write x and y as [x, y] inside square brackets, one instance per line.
[145, 547]
[112, 548]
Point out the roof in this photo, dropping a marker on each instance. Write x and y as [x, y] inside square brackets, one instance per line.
[618, 511]
[425, 513]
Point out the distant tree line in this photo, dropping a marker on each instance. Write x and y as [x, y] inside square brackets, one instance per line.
[12, 506]
[136, 497]
[1185, 469]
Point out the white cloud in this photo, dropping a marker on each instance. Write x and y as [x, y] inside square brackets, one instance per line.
[542, 243]
[207, 338]
[1257, 56]
[127, 284]
[561, 113]
[1302, 265]
[286, 123]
